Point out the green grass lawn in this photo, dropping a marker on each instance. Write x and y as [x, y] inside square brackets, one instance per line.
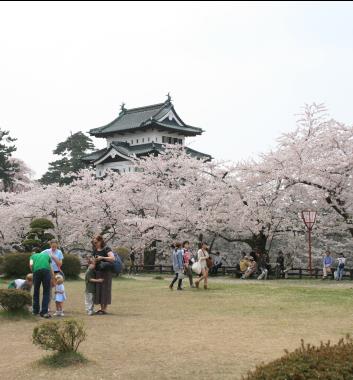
[154, 333]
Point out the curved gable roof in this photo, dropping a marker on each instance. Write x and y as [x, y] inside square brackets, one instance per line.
[135, 118]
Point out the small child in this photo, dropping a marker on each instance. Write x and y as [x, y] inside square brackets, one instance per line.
[22, 284]
[91, 282]
[60, 295]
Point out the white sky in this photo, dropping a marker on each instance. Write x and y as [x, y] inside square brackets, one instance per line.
[240, 72]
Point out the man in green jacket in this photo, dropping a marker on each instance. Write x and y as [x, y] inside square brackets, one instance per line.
[40, 264]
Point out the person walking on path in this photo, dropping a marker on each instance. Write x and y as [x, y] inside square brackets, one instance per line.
[202, 256]
[178, 266]
[40, 264]
[187, 258]
[104, 261]
[340, 269]
[327, 265]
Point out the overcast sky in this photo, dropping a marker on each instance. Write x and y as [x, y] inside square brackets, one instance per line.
[240, 72]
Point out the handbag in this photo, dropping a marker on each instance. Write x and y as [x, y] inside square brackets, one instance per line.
[196, 267]
[209, 262]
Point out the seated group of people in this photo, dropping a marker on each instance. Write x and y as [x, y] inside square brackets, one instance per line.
[258, 263]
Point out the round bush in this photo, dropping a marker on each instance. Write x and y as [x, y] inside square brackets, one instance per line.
[324, 362]
[14, 299]
[71, 265]
[61, 336]
[16, 264]
[41, 224]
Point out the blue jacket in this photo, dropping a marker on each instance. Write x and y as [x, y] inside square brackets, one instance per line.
[178, 260]
[328, 261]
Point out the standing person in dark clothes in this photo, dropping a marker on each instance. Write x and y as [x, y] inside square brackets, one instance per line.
[279, 264]
[132, 261]
[40, 264]
[104, 259]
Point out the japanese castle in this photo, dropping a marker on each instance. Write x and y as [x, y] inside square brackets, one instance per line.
[139, 132]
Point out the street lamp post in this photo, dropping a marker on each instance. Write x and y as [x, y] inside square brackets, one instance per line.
[309, 218]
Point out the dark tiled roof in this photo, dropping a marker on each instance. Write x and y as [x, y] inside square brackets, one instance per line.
[142, 117]
[140, 150]
[94, 155]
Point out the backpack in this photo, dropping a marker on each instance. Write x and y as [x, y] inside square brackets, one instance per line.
[118, 264]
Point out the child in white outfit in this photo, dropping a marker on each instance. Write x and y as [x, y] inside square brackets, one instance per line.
[60, 295]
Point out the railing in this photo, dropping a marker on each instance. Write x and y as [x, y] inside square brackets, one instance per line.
[234, 271]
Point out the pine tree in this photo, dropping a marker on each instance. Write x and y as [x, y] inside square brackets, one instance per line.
[8, 167]
[71, 150]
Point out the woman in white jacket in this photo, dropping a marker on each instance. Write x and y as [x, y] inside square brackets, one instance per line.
[202, 255]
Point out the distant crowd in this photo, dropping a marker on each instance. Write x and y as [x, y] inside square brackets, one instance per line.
[46, 272]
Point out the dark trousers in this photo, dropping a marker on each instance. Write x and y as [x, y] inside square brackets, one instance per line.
[188, 272]
[215, 268]
[175, 279]
[41, 277]
[132, 267]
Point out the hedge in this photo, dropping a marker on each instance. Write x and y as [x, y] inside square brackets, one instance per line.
[15, 299]
[17, 265]
[71, 265]
[324, 362]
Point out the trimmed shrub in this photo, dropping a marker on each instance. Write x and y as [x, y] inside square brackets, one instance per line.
[41, 224]
[60, 336]
[37, 237]
[16, 264]
[324, 362]
[14, 299]
[71, 265]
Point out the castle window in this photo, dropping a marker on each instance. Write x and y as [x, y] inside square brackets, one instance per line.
[181, 141]
[137, 141]
[169, 140]
[175, 141]
[164, 139]
[132, 141]
[148, 139]
[143, 139]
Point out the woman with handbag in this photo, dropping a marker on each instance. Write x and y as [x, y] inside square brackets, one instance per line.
[202, 256]
[104, 270]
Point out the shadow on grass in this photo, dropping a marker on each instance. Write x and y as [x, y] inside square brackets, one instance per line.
[16, 315]
[62, 359]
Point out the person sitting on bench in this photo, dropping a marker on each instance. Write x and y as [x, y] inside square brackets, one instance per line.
[251, 268]
[217, 263]
[244, 263]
